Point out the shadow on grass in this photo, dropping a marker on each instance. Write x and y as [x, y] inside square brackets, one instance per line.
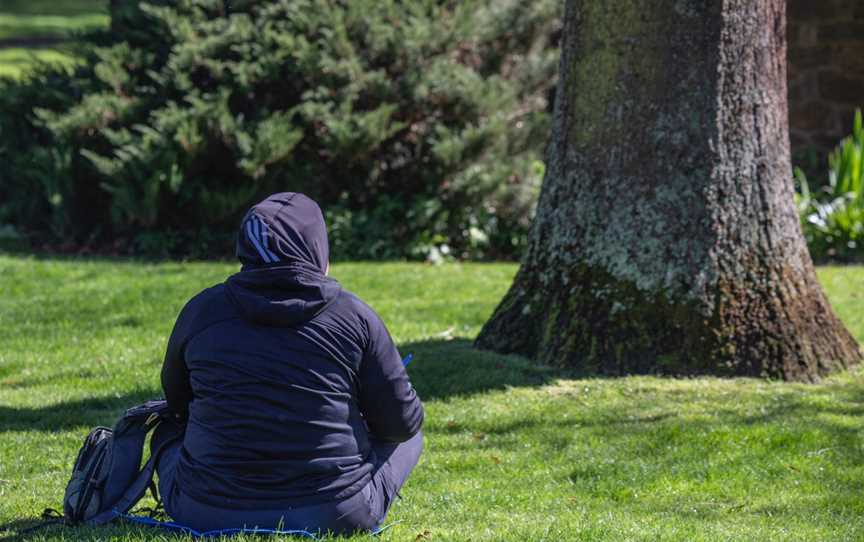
[52, 256]
[446, 368]
[782, 447]
[30, 529]
[88, 412]
[118, 259]
[20, 528]
[441, 369]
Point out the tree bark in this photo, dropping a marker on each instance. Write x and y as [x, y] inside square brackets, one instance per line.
[666, 237]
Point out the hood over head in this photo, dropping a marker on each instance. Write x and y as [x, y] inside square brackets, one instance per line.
[283, 247]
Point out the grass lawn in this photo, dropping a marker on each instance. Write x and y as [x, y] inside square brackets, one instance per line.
[32, 30]
[514, 452]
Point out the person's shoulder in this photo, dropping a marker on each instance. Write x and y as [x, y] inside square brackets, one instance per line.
[208, 302]
[207, 296]
[351, 303]
[350, 309]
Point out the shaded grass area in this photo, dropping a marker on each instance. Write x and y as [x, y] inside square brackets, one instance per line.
[42, 30]
[54, 7]
[513, 451]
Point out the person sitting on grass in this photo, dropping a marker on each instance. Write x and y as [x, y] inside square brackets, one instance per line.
[293, 408]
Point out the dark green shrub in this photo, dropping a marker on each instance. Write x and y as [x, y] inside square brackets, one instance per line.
[415, 124]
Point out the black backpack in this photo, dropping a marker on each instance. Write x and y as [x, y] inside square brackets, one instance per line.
[107, 477]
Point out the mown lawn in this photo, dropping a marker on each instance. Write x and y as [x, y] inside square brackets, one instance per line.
[43, 30]
[514, 452]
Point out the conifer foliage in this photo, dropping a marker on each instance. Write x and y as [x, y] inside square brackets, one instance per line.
[416, 124]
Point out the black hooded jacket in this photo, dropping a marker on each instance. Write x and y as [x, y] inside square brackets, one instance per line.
[281, 376]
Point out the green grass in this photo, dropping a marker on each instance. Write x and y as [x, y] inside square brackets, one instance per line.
[14, 61]
[30, 26]
[514, 452]
[39, 30]
[54, 7]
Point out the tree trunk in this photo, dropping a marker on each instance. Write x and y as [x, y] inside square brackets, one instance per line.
[666, 237]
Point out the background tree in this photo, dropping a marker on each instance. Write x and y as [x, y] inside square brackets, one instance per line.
[666, 236]
[415, 124]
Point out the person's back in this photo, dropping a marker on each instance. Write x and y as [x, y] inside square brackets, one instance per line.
[291, 390]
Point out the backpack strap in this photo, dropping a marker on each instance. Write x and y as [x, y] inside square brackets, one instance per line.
[136, 489]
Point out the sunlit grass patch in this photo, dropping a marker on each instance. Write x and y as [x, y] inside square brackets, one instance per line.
[15, 61]
[34, 26]
[41, 30]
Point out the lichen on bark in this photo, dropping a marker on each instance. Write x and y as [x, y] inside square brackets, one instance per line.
[666, 237]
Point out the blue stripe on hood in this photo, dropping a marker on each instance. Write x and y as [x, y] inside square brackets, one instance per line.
[252, 236]
[262, 227]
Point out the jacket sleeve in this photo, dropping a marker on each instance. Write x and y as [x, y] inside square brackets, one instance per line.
[389, 403]
[175, 375]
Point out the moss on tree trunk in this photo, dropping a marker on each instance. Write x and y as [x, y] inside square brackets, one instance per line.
[666, 237]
